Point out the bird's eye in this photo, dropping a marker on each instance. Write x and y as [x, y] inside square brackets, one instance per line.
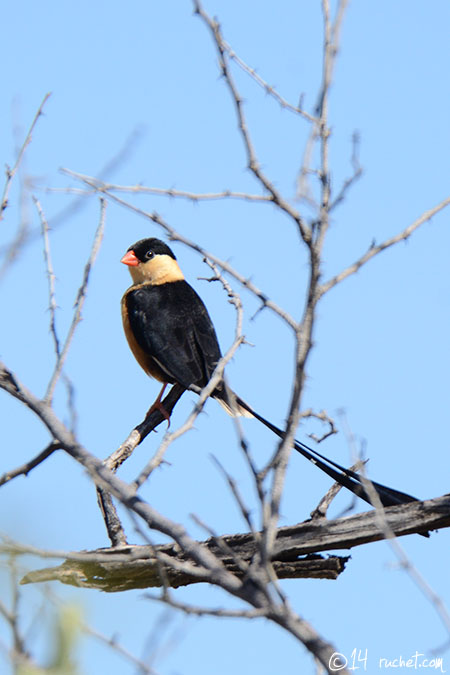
[149, 255]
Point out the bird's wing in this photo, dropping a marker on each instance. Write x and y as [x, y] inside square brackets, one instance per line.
[171, 324]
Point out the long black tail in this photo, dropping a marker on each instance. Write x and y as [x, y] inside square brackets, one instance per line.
[345, 477]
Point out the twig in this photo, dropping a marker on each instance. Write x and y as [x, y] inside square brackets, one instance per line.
[25, 469]
[113, 524]
[269, 89]
[204, 394]
[112, 642]
[26, 236]
[50, 277]
[10, 172]
[236, 494]
[356, 175]
[253, 163]
[114, 528]
[322, 507]
[206, 611]
[81, 297]
[19, 653]
[170, 192]
[142, 430]
[382, 519]
[225, 551]
[176, 236]
[323, 417]
[405, 563]
[375, 249]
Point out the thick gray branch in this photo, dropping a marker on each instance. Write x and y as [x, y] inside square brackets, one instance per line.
[130, 567]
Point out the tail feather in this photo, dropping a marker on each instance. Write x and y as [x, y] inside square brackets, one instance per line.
[231, 403]
[354, 482]
[345, 477]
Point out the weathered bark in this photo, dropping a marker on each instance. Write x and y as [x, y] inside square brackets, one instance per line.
[127, 567]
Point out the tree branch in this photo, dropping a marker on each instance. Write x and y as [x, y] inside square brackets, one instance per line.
[253, 164]
[137, 566]
[81, 296]
[25, 469]
[10, 172]
[375, 249]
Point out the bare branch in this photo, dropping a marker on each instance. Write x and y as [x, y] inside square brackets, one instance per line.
[141, 431]
[170, 192]
[375, 249]
[385, 526]
[25, 469]
[113, 576]
[50, 276]
[253, 163]
[10, 172]
[314, 241]
[269, 89]
[113, 525]
[208, 565]
[323, 417]
[107, 480]
[176, 236]
[114, 644]
[321, 509]
[81, 297]
[114, 570]
[236, 494]
[356, 175]
[220, 613]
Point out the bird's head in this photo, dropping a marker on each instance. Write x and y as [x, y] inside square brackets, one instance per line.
[152, 261]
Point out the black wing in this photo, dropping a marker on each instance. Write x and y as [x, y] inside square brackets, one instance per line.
[172, 325]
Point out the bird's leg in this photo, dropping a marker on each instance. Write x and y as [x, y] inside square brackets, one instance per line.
[157, 405]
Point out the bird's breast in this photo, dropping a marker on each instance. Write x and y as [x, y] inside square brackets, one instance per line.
[145, 360]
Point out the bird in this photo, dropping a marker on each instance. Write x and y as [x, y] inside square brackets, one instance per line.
[172, 337]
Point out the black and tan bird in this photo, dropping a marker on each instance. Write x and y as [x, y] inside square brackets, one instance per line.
[173, 339]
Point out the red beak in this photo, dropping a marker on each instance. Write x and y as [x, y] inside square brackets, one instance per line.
[130, 259]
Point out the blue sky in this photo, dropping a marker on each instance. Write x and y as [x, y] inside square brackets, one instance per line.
[142, 80]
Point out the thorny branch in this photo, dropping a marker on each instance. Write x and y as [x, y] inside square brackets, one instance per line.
[10, 172]
[174, 235]
[375, 249]
[26, 236]
[25, 469]
[268, 88]
[323, 417]
[19, 652]
[50, 277]
[253, 163]
[79, 302]
[169, 192]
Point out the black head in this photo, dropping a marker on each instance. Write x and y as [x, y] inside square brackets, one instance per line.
[146, 249]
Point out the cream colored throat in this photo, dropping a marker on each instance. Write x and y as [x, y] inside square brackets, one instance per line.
[162, 269]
